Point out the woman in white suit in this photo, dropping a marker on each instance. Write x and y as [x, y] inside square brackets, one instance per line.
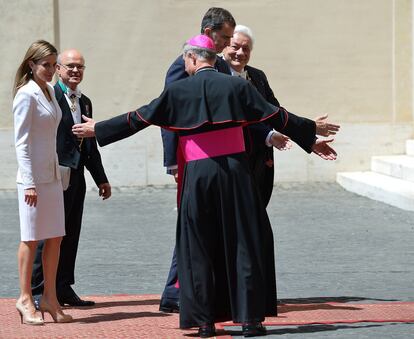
[41, 210]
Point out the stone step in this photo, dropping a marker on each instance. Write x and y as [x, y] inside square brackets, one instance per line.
[392, 191]
[409, 146]
[397, 166]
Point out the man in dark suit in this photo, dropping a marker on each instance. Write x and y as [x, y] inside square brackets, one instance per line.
[76, 154]
[237, 55]
[218, 24]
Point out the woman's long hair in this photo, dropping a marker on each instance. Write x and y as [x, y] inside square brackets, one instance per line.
[37, 50]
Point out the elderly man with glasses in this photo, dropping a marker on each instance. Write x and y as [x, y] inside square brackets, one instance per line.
[75, 153]
[237, 56]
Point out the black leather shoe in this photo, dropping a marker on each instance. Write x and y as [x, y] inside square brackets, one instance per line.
[169, 306]
[207, 331]
[253, 329]
[36, 301]
[69, 297]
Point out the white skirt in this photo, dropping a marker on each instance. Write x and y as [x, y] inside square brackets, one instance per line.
[47, 219]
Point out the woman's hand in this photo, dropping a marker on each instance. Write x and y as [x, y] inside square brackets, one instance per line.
[30, 197]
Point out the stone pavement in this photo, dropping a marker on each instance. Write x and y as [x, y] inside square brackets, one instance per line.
[331, 246]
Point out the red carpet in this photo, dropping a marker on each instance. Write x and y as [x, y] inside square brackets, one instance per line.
[137, 316]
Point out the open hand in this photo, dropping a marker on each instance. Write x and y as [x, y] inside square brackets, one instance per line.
[324, 128]
[321, 148]
[280, 141]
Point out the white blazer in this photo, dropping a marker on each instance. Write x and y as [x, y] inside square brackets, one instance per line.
[35, 127]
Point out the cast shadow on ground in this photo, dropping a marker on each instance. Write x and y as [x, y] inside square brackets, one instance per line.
[106, 304]
[282, 309]
[321, 300]
[320, 303]
[97, 318]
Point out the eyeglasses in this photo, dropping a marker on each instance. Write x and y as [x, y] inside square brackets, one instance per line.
[71, 67]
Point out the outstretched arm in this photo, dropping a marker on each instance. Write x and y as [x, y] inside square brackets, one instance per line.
[111, 130]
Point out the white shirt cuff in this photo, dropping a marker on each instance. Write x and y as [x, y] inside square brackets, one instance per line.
[269, 136]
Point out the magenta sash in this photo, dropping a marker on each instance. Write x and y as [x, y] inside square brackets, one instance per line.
[212, 144]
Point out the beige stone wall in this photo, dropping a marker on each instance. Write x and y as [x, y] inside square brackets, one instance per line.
[321, 56]
[403, 54]
[349, 58]
[22, 22]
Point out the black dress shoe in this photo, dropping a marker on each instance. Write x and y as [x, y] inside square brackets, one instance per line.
[254, 329]
[36, 301]
[169, 306]
[72, 299]
[207, 331]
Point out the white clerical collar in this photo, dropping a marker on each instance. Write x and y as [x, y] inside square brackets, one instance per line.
[242, 74]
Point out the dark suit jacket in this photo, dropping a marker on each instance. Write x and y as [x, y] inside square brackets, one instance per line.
[260, 155]
[259, 80]
[256, 135]
[67, 144]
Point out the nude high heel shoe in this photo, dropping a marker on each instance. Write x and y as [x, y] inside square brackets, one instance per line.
[57, 314]
[26, 316]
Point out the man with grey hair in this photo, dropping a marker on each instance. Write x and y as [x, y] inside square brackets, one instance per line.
[221, 226]
[237, 55]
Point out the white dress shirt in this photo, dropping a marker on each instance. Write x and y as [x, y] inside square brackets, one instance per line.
[76, 114]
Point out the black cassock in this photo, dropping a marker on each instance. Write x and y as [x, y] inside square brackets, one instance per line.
[225, 247]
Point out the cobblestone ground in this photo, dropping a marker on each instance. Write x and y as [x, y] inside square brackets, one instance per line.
[329, 244]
